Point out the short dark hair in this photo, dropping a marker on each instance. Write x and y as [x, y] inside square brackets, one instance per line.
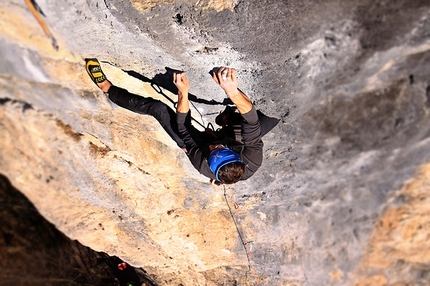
[231, 173]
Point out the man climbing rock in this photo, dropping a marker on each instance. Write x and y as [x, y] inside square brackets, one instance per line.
[228, 155]
[214, 154]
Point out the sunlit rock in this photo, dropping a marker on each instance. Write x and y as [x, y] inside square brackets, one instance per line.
[340, 197]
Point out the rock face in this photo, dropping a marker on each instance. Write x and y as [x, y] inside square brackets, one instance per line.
[34, 252]
[342, 195]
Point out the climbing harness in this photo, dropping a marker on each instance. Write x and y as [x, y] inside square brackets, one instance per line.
[37, 12]
[242, 235]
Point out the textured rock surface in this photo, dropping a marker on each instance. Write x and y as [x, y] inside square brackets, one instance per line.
[397, 250]
[332, 203]
[34, 252]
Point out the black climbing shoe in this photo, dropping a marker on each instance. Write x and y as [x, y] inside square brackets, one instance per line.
[94, 70]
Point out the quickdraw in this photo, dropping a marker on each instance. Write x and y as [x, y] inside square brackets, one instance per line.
[36, 11]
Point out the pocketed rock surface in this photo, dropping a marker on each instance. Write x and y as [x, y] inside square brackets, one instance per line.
[341, 196]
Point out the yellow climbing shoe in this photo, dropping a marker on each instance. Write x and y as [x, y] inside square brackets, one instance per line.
[94, 70]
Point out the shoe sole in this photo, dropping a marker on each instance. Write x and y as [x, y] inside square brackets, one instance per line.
[94, 70]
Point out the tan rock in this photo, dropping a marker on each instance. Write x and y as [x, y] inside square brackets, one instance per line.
[401, 234]
[350, 83]
[217, 5]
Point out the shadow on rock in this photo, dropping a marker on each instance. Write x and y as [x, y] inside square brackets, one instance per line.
[34, 252]
[165, 81]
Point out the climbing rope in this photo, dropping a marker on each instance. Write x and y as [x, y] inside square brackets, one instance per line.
[201, 115]
[241, 232]
[159, 89]
[36, 11]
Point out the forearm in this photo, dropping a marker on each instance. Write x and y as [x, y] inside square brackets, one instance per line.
[226, 78]
[183, 104]
[242, 102]
[181, 82]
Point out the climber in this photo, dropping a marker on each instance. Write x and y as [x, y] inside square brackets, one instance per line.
[214, 154]
[143, 105]
[227, 155]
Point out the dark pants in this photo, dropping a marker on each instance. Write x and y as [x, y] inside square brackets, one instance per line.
[147, 105]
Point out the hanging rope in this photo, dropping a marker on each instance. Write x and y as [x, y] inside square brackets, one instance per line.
[201, 115]
[241, 232]
[159, 89]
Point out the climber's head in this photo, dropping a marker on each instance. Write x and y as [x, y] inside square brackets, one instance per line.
[226, 165]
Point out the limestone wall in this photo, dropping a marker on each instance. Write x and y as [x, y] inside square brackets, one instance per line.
[341, 196]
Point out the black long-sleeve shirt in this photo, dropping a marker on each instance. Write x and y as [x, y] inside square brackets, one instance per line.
[250, 149]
